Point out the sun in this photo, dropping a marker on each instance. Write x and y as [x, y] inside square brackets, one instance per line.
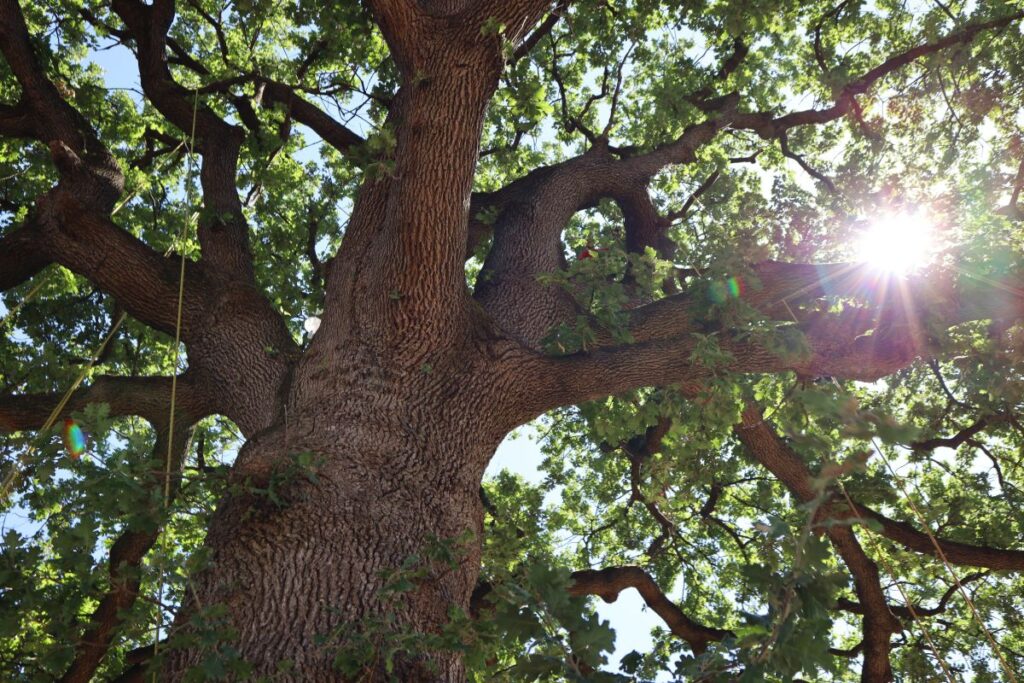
[897, 242]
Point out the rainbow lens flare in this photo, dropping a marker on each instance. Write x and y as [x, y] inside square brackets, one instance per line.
[74, 439]
[720, 292]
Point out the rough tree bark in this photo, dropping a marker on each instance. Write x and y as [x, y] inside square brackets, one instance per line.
[402, 453]
[412, 381]
[388, 396]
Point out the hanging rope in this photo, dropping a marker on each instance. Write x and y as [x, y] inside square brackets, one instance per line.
[176, 350]
[13, 311]
[12, 478]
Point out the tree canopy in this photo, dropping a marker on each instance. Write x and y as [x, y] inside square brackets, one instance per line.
[673, 232]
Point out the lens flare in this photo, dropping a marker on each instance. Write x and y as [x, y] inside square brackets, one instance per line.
[721, 291]
[898, 242]
[74, 439]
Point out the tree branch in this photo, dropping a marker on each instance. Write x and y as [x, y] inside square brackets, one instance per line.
[144, 282]
[608, 583]
[956, 553]
[526, 233]
[69, 224]
[223, 230]
[879, 623]
[768, 127]
[740, 50]
[150, 398]
[415, 221]
[916, 611]
[692, 199]
[772, 452]
[147, 397]
[954, 441]
[98, 178]
[518, 16]
[645, 227]
[17, 121]
[332, 132]
[810, 170]
[538, 33]
[533, 211]
[638, 450]
[21, 256]
[126, 555]
[882, 333]
[402, 23]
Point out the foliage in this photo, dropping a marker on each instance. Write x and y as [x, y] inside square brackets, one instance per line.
[944, 132]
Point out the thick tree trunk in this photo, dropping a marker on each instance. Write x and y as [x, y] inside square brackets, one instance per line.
[302, 576]
[398, 404]
[397, 459]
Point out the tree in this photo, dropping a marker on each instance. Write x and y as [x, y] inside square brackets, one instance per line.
[300, 283]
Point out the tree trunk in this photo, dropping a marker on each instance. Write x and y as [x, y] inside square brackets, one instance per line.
[398, 403]
[299, 555]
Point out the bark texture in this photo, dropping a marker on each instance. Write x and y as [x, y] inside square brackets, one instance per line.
[369, 445]
[386, 400]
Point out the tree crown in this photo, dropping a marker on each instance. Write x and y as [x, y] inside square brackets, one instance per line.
[653, 204]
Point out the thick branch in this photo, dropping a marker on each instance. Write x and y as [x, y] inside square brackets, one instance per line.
[865, 341]
[414, 222]
[147, 397]
[69, 225]
[526, 234]
[533, 213]
[17, 121]
[608, 583]
[405, 26]
[98, 178]
[233, 351]
[143, 281]
[21, 256]
[772, 452]
[332, 132]
[879, 623]
[223, 231]
[644, 225]
[956, 553]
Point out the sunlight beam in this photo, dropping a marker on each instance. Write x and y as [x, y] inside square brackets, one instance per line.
[897, 243]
